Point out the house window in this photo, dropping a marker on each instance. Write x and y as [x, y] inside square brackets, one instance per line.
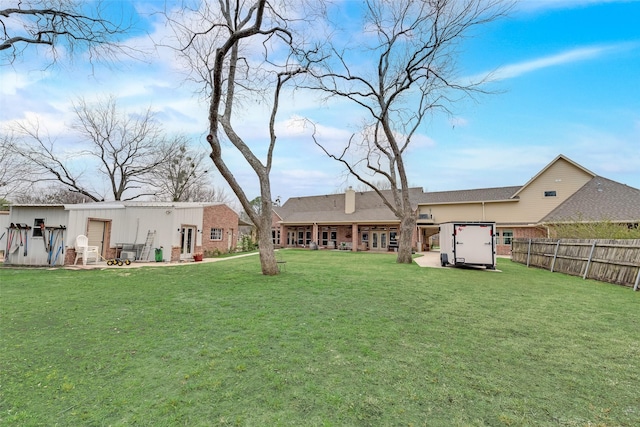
[275, 235]
[216, 234]
[497, 237]
[551, 193]
[38, 225]
[507, 236]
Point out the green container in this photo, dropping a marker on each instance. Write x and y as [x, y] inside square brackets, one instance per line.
[159, 255]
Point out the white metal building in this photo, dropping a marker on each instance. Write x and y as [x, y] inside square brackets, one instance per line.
[135, 228]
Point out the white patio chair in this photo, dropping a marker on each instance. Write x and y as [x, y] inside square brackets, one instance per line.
[84, 251]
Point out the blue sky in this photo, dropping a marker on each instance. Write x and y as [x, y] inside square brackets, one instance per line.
[566, 81]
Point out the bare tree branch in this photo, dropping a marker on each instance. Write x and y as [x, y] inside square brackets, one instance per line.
[61, 24]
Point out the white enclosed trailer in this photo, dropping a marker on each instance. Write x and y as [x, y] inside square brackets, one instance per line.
[468, 243]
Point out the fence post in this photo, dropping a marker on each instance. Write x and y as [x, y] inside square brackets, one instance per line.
[555, 255]
[586, 270]
[529, 252]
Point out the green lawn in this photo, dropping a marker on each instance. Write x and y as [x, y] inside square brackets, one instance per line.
[339, 339]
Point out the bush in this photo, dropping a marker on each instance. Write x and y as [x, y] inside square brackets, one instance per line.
[212, 253]
[247, 244]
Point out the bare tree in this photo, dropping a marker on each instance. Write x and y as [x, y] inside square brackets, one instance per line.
[68, 24]
[181, 176]
[51, 194]
[15, 174]
[39, 150]
[213, 194]
[405, 72]
[126, 148]
[129, 147]
[217, 45]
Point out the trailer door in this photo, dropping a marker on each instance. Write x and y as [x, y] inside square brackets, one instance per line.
[474, 244]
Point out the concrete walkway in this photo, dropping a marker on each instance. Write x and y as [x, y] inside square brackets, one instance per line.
[432, 259]
[138, 264]
[428, 259]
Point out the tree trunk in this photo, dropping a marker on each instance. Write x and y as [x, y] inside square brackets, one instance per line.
[268, 262]
[407, 225]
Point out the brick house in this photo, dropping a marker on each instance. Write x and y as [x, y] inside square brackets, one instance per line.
[220, 226]
[562, 191]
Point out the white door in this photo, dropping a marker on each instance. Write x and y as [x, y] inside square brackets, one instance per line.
[187, 241]
[474, 244]
[96, 234]
[378, 240]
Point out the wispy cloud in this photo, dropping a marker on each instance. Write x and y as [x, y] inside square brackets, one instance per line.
[567, 57]
[539, 5]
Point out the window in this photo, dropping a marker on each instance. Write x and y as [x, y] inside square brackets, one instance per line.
[507, 236]
[551, 193]
[497, 237]
[275, 236]
[216, 234]
[38, 226]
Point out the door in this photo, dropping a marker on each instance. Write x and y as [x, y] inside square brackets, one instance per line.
[474, 244]
[378, 240]
[187, 241]
[96, 233]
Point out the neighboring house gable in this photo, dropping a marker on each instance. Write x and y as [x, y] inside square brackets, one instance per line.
[549, 188]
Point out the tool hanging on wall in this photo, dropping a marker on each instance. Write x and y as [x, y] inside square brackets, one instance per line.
[26, 239]
[17, 236]
[53, 242]
[43, 233]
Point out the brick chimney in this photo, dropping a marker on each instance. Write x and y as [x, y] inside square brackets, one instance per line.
[349, 201]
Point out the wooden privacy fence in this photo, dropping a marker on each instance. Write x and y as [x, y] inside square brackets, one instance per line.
[612, 261]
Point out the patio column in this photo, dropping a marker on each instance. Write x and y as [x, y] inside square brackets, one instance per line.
[315, 233]
[354, 237]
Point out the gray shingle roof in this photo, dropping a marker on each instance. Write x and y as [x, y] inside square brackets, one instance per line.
[330, 208]
[475, 195]
[600, 199]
